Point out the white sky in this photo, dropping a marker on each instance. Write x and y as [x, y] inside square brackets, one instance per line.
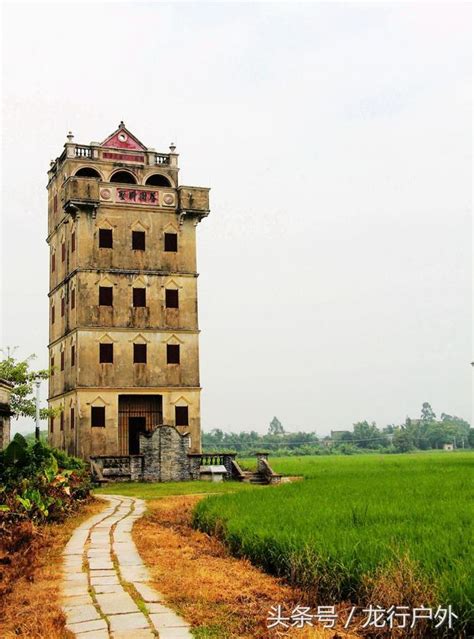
[335, 266]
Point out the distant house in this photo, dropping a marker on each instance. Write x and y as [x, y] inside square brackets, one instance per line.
[448, 446]
[5, 412]
[326, 441]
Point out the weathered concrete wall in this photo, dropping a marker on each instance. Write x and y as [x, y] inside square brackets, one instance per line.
[87, 371]
[84, 440]
[160, 269]
[123, 373]
[5, 394]
[4, 431]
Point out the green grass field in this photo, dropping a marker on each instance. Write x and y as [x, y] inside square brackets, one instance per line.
[358, 526]
[157, 490]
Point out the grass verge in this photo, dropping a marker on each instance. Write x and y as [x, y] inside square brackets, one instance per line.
[150, 490]
[220, 596]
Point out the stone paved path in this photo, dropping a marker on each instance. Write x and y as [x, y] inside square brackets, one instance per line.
[105, 590]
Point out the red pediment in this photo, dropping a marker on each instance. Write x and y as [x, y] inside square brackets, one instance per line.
[123, 139]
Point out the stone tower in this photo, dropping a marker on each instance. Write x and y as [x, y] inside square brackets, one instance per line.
[123, 325]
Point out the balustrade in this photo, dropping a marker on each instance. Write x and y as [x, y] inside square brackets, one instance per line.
[83, 152]
[161, 158]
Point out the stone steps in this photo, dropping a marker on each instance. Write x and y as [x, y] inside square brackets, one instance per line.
[254, 478]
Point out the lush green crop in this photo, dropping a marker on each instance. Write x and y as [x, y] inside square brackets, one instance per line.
[354, 519]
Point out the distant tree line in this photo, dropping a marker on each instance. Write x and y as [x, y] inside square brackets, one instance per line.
[424, 433]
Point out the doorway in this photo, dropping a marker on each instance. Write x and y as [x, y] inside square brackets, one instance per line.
[136, 425]
[137, 414]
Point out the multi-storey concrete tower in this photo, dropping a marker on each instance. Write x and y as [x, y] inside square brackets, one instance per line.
[123, 334]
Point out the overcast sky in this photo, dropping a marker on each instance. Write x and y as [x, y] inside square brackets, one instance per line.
[335, 267]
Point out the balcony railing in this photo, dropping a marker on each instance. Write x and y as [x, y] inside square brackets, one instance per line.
[93, 152]
[162, 158]
[83, 152]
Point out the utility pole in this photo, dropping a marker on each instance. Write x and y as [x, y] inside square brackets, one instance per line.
[37, 427]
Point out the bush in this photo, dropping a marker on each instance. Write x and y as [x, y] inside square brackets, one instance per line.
[39, 483]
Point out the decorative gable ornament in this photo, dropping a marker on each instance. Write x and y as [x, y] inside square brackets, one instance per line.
[173, 339]
[121, 138]
[181, 401]
[139, 339]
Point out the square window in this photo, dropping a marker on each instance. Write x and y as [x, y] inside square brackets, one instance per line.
[62, 360]
[73, 298]
[106, 295]
[138, 240]
[73, 355]
[73, 241]
[72, 419]
[139, 353]
[171, 298]
[171, 242]
[105, 238]
[98, 416]
[106, 353]
[172, 353]
[181, 415]
[139, 297]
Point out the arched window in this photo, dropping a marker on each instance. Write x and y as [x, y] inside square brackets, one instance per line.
[124, 177]
[88, 172]
[157, 180]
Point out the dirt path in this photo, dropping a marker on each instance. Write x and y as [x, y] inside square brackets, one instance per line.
[220, 596]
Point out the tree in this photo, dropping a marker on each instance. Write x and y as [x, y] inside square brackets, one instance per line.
[218, 435]
[276, 427]
[470, 438]
[427, 414]
[402, 441]
[437, 434]
[457, 429]
[367, 435]
[417, 430]
[23, 379]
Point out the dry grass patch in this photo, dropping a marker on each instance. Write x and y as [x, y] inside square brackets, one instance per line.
[401, 581]
[220, 596]
[30, 576]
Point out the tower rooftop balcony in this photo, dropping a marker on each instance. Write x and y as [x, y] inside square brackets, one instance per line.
[120, 147]
[96, 153]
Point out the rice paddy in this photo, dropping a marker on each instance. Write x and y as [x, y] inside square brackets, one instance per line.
[360, 527]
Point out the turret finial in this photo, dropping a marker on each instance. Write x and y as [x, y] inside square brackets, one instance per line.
[172, 147]
[70, 136]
